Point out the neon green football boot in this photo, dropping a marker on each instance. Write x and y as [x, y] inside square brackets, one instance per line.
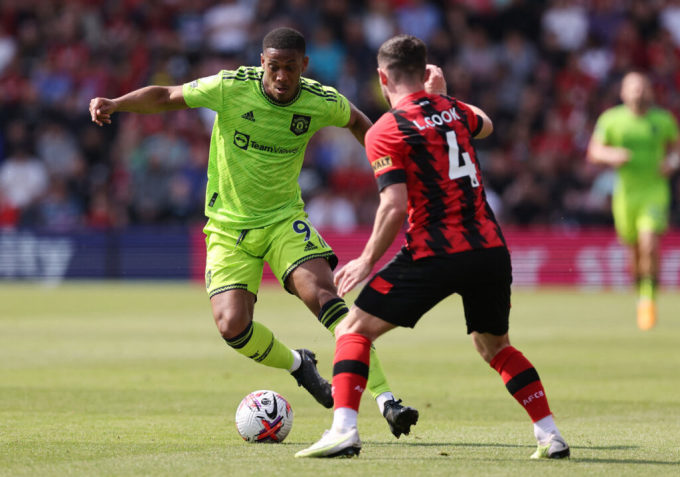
[553, 448]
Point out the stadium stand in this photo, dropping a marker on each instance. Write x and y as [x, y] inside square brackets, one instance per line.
[542, 70]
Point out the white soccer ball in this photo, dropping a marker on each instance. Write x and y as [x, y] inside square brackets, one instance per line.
[264, 416]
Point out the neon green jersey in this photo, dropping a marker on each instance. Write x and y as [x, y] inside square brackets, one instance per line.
[646, 137]
[257, 145]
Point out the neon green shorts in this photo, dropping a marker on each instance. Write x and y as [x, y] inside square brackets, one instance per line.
[633, 215]
[235, 258]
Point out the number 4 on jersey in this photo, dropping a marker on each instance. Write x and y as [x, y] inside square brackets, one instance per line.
[456, 170]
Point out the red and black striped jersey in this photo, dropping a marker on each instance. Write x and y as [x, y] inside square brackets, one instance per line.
[425, 142]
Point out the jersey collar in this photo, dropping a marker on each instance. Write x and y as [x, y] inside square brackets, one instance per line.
[410, 97]
[277, 103]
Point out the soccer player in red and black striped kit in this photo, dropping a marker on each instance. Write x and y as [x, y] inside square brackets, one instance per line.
[426, 166]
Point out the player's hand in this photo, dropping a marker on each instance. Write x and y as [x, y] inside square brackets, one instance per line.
[435, 83]
[671, 164]
[351, 275]
[619, 157]
[101, 110]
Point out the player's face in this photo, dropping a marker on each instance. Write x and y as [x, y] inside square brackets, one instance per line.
[282, 71]
[636, 90]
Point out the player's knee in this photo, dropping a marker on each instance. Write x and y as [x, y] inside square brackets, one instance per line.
[350, 324]
[230, 325]
[488, 345]
[314, 291]
[341, 328]
[648, 245]
[487, 354]
[323, 289]
[360, 324]
[315, 296]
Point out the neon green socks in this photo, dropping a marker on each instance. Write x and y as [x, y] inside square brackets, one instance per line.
[258, 343]
[647, 289]
[332, 313]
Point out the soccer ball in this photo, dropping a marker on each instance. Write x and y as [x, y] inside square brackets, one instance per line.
[264, 416]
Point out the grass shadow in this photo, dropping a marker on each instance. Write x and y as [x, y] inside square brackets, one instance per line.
[589, 460]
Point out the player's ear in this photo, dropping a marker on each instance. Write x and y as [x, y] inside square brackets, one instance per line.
[262, 60]
[305, 63]
[383, 76]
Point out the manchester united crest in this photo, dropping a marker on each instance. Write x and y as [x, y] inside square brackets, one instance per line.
[300, 124]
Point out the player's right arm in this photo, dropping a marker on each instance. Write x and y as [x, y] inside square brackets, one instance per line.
[150, 99]
[599, 151]
[389, 219]
[384, 154]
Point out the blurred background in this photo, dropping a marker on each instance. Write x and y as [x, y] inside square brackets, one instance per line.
[542, 70]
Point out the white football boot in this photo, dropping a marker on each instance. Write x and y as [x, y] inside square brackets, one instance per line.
[334, 444]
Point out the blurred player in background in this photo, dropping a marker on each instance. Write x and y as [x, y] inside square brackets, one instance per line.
[426, 166]
[641, 142]
[265, 117]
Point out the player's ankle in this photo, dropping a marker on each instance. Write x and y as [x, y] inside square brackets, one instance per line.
[544, 428]
[382, 399]
[344, 418]
[297, 361]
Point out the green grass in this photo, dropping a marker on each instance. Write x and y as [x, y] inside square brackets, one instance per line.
[133, 379]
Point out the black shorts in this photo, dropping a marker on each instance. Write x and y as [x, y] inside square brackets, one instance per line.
[405, 289]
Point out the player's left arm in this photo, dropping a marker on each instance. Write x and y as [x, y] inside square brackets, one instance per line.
[388, 222]
[671, 163]
[484, 123]
[358, 123]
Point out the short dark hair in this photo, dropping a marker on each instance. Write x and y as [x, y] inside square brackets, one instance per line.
[403, 55]
[284, 38]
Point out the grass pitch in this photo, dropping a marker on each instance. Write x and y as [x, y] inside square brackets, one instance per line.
[133, 379]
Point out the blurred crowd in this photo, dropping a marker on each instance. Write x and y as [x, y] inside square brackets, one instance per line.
[543, 71]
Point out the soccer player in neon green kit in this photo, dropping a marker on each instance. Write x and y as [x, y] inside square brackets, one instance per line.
[265, 117]
[641, 142]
